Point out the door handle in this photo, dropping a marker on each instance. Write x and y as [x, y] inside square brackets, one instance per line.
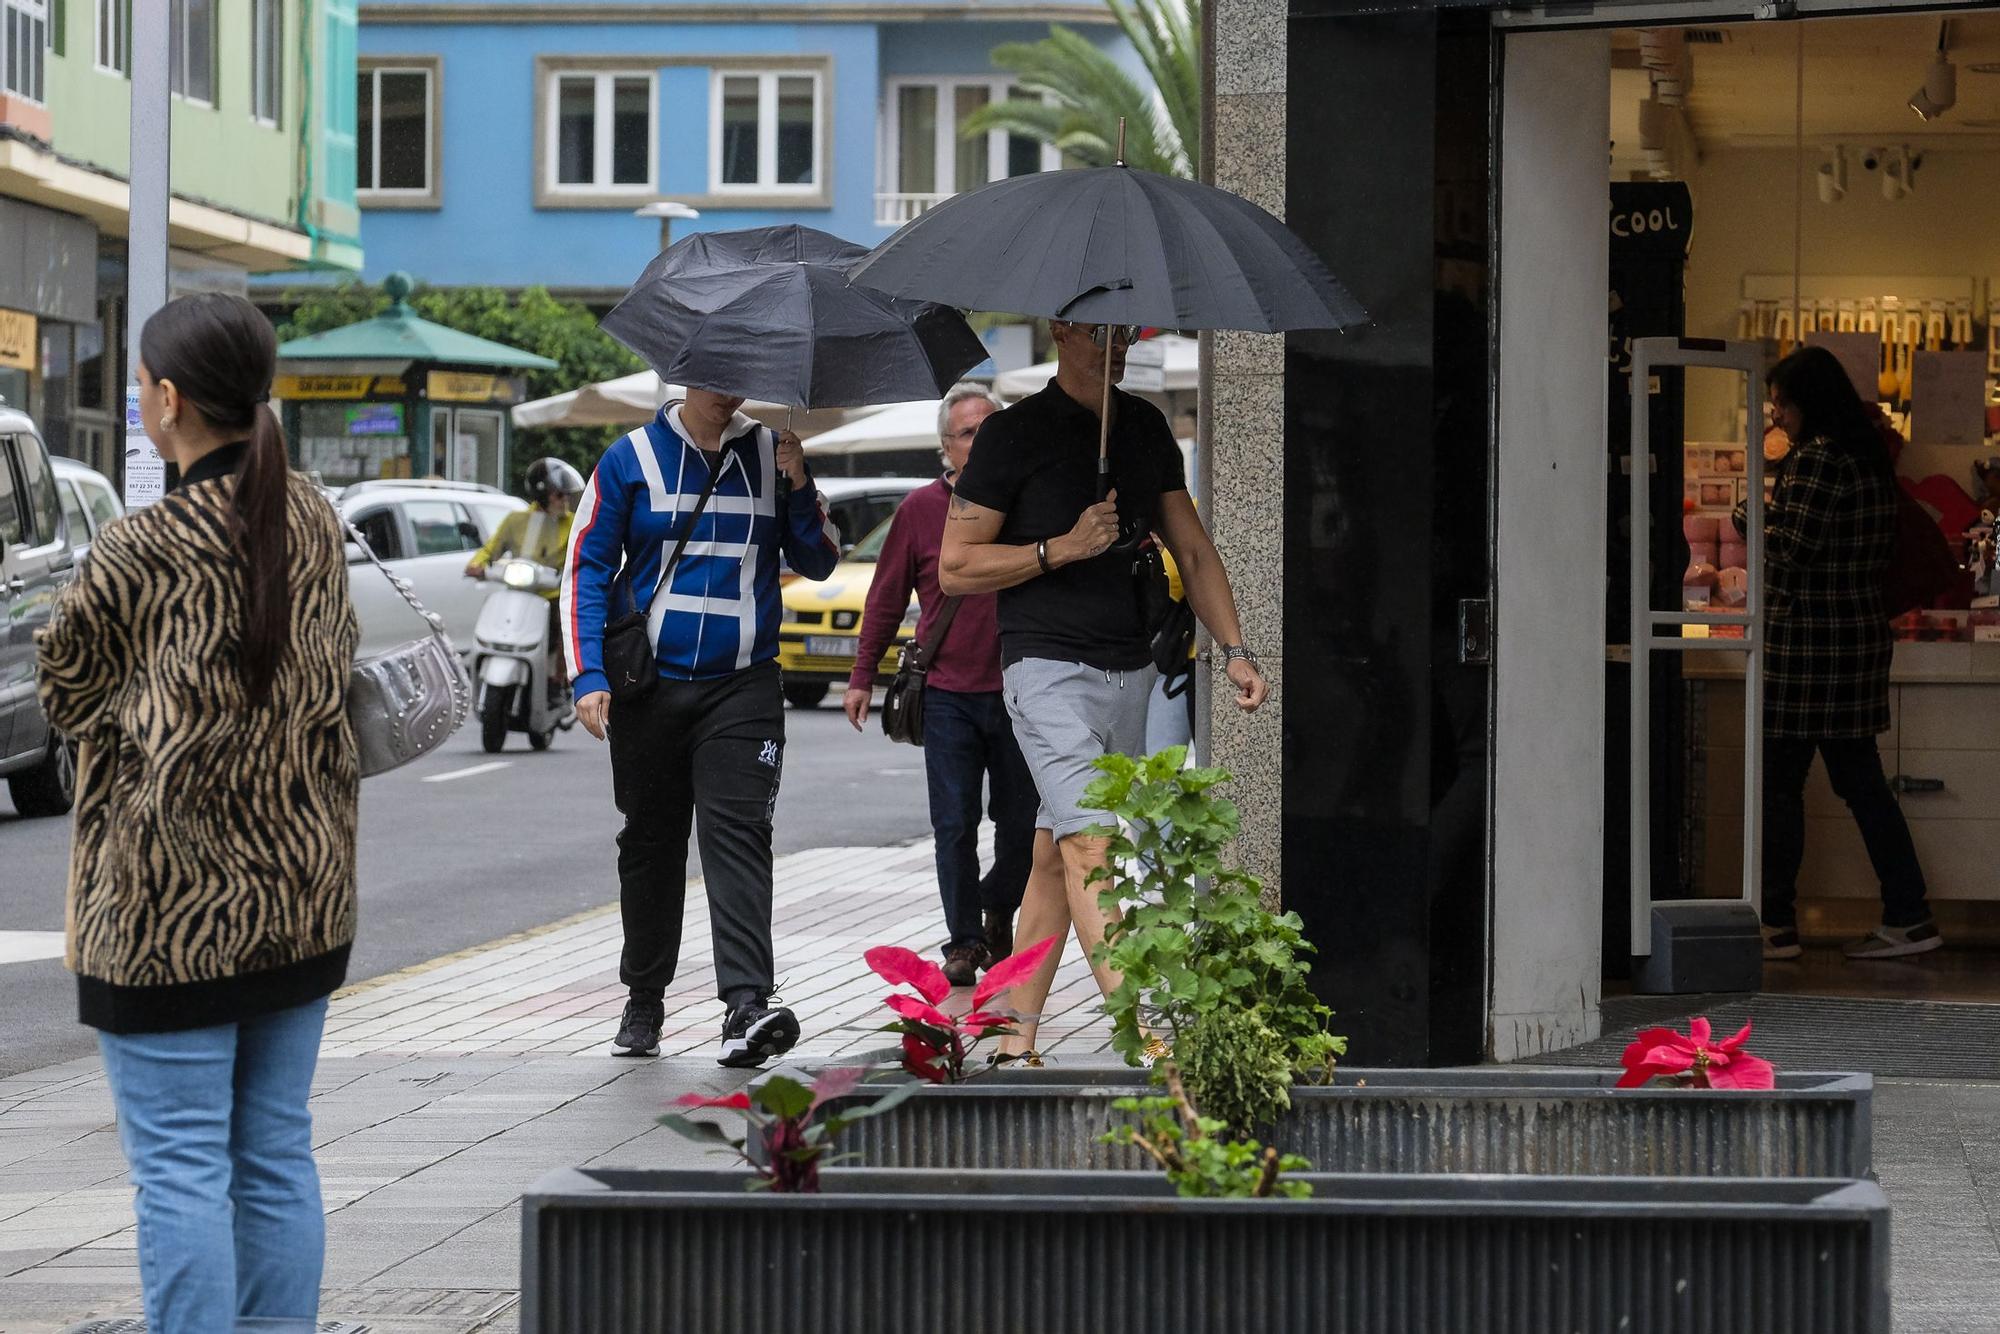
[1905, 783]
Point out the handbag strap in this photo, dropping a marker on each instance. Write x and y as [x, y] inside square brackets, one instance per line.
[926, 652]
[402, 585]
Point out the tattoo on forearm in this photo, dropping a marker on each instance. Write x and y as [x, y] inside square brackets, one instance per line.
[961, 508]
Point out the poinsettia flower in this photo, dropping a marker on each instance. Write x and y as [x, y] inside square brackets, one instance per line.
[984, 1022]
[734, 1102]
[1011, 971]
[912, 1008]
[893, 963]
[920, 1058]
[1707, 1063]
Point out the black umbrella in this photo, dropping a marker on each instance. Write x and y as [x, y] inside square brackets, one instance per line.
[1111, 245]
[769, 314]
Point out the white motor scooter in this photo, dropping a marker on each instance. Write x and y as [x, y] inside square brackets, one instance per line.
[513, 657]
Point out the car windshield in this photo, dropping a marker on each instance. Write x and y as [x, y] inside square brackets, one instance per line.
[869, 548]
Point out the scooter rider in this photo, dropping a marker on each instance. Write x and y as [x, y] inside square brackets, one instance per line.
[540, 534]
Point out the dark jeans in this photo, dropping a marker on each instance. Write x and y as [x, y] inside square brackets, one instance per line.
[969, 739]
[717, 748]
[1855, 769]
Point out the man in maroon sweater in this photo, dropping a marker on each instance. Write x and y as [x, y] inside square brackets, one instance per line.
[968, 737]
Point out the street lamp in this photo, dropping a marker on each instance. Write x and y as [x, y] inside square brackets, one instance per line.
[666, 210]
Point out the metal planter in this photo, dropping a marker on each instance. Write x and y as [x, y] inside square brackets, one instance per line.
[899, 1252]
[1484, 1120]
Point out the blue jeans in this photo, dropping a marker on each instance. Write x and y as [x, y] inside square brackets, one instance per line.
[215, 1127]
[969, 741]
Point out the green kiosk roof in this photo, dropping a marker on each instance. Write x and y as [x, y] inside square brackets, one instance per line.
[398, 334]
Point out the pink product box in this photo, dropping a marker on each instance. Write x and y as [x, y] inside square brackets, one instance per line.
[1701, 528]
[1734, 554]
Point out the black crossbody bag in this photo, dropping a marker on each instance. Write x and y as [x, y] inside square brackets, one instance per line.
[903, 703]
[631, 659]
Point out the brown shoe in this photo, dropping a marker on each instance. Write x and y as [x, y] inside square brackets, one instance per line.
[998, 926]
[961, 965]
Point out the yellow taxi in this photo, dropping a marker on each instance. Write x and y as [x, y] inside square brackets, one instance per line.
[821, 626]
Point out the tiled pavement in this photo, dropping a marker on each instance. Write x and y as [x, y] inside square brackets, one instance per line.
[445, 1091]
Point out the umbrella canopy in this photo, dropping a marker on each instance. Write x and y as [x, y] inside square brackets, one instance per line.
[631, 400]
[738, 315]
[1112, 245]
[899, 426]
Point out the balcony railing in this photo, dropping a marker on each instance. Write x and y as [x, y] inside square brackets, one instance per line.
[895, 210]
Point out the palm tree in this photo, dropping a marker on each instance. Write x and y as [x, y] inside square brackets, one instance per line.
[1084, 93]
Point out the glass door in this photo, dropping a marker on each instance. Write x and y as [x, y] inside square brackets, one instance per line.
[476, 436]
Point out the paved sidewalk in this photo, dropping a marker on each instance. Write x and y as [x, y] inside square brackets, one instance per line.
[445, 1090]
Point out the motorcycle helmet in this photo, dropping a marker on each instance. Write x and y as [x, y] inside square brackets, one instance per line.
[546, 477]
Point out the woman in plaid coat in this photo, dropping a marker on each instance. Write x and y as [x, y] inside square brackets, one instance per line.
[1829, 537]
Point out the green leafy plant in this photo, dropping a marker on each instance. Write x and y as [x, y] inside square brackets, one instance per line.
[1199, 1159]
[1081, 92]
[785, 1118]
[1204, 965]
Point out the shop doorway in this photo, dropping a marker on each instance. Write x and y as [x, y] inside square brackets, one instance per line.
[467, 442]
[1837, 172]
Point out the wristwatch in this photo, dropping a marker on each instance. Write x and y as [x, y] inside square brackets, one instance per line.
[1232, 652]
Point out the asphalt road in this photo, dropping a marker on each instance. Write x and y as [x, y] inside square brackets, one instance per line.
[454, 854]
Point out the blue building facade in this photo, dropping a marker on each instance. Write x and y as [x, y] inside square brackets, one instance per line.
[510, 143]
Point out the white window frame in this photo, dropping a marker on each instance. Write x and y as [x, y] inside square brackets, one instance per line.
[273, 13]
[603, 110]
[28, 11]
[767, 132]
[112, 36]
[945, 150]
[428, 193]
[179, 12]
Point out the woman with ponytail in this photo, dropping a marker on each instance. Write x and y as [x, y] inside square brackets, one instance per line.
[200, 661]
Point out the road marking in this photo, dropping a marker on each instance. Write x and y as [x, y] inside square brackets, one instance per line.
[26, 946]
[897, 773]
[468, 773]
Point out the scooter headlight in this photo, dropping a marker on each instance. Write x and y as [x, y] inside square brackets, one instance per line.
[518, 574]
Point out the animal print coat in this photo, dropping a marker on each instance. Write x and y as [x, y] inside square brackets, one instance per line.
[212, 874]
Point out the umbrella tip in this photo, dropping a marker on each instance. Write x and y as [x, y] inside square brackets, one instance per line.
[1121, 142]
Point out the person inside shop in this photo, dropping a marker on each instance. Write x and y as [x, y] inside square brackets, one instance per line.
[1830, 534]
[539, 533]
[968, 739]
[1026, 521]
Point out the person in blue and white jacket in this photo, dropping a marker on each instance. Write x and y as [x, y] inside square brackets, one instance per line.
[711, 737]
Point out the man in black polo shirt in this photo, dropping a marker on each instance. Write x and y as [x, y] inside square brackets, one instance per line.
[1025, 522]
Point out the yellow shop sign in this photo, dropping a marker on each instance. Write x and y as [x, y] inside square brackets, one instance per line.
[465, 387]
[17, 340]
[324, 386]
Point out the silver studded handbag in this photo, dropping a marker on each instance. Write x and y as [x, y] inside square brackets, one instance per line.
[404, 702]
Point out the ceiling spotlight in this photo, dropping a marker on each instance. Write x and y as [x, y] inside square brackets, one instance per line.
[1940, 88]
[1832, 176]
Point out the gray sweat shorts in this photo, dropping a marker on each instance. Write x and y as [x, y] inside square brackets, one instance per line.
[1065, 716]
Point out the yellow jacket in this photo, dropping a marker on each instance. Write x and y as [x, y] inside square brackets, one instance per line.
[530, 533]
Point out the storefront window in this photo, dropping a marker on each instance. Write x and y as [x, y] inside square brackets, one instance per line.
[57, 405]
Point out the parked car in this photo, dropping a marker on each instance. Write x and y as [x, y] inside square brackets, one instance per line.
[36, 563]
[860, 504]
[424, 530]
[89, 501]
[821, 625]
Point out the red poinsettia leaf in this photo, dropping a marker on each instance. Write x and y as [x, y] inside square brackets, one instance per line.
[836, 1083]
[920, 1058]
[1731, 1044]
[912, 1008]
[734, 1102]
[1698, 1031]
[985, 1021]
[1640, 1074]
[1743, 1071]
[893, 963]
[1651, 1040]
[1012, 971]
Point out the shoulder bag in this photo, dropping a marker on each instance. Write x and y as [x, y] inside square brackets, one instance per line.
[903, 703]
[631, 659]
[404, 702]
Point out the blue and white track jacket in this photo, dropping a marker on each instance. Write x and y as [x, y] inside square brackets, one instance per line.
[719, 613]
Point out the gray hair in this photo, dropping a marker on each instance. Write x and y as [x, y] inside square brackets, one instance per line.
[959, 393]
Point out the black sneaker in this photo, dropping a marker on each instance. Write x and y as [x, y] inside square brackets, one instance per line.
[961, 965]
[754, 1033]
[639, 1030]
[998, 927]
